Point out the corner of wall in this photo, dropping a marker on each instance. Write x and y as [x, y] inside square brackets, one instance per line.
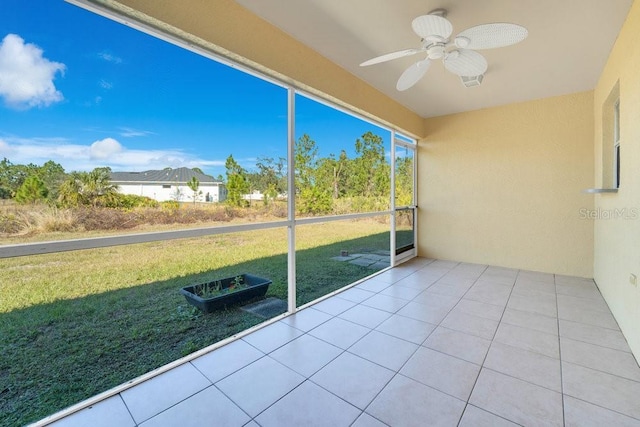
[617, 223]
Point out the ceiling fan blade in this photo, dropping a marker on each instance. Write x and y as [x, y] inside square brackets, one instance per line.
[464, 62]
[489, 36]
[390, 56]
[412, 74]
[427, 26]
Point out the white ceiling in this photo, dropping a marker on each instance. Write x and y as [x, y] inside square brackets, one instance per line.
[568, 44]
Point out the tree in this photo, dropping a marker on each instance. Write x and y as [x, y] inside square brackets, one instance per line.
[237, 183]
[371, 172]
[88, 188]
[194, 185]
[198, 170]
[314, 197]
[52, 175]
[5, 179]
[271, 178]
[12, 176]
[332, 173]
[305, 159]
[32, 190]
[404, 181]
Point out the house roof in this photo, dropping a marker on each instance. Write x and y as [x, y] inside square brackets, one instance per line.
[179, 175]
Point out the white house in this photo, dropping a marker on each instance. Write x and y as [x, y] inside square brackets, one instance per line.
[169, 184]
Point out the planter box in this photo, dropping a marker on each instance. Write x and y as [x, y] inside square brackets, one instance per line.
[255, 287]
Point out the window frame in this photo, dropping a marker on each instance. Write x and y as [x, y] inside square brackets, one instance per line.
[616, 144]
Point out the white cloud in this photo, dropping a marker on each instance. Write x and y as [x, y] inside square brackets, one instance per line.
[130, 132]
[26, 77]
[5, 149]
[105, 148]
[105, 84]
[105, 152]
[109, 57]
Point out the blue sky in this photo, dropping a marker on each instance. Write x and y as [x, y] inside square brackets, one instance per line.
[85, 91]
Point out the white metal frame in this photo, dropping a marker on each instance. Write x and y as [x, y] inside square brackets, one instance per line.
[399, 140]
[616, 144]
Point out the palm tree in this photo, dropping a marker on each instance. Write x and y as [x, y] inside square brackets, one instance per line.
[87, 188]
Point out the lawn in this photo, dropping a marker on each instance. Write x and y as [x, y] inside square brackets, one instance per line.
[75, 324]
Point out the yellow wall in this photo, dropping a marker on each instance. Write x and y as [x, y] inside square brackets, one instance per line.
[234, 32]
[617, 233]
[502, 186]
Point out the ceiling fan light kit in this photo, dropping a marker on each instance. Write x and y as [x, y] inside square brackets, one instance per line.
[471, 81]
[459, 54]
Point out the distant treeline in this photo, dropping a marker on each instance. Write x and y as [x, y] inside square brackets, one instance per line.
[319, 181]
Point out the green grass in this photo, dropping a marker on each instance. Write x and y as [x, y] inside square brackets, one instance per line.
[75, 324]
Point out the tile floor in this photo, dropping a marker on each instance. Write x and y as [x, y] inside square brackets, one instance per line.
[427, 343]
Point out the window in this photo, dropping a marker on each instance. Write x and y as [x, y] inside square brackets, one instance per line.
[166, 186]
[616, 144]
[610, 154]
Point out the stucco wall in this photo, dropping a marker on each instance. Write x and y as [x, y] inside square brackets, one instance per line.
[617, 232]
[161, 194]
[502, 186]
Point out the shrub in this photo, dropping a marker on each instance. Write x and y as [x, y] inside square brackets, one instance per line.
[5, 193]
[9, 223]
[52, 219]
[31, 190]
[37, 219]
[170, 206]
[127, 201]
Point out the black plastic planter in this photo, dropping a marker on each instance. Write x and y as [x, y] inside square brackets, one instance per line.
[255, 287]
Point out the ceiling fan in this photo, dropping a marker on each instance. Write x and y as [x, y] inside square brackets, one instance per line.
[459, 54]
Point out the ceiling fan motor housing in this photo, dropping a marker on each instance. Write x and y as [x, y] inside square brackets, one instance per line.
[459, 56]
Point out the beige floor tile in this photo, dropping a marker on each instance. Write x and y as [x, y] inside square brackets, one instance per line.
[516, 400]
[226, 360]
[385, 303]
[339, 332]
[203, 408]
[383, 349]
[616, 362]
[525, 365]
[602, 389]
[433, 315]
[474, 325]
[476, 417]
[306, 354]
[445, 373]
[480, 309]
[306, 319]
[594, 335]
[159, 393]
[578, 413]
[354, 379]
[535, 321]
[309, 405]
[259, 385]
[107, 413]
[529, 339]
[406, 328]
[455, 343]
[406, 402]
